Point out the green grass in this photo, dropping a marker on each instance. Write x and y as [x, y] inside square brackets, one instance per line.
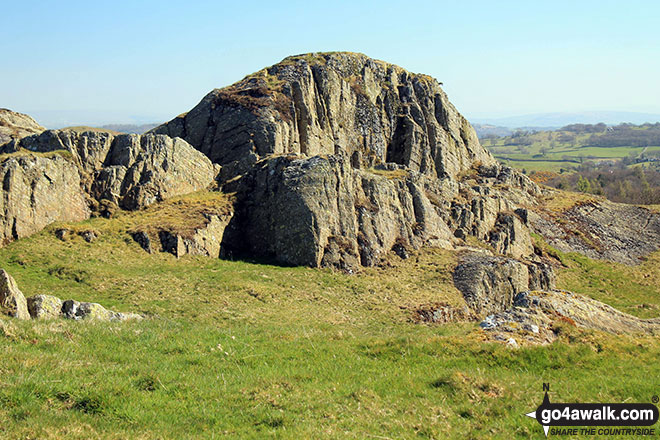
[243, 350]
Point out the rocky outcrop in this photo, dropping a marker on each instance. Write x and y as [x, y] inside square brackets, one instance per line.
[321, 211]
[603, 230]
[489, 283]
[37, 191]
[14, 126]
[131, 171]
[317, 104]
[12, 300]
[534, 317]
[343, 158]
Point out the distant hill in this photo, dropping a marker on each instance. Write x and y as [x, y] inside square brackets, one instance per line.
[485, 130]
[129, 128]
[555, 120]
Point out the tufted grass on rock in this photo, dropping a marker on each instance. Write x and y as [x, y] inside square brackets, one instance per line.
[238, 349]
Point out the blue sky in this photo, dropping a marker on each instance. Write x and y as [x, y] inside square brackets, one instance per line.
[131, 59]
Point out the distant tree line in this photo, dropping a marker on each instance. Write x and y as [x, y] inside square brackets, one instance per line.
[619, 183]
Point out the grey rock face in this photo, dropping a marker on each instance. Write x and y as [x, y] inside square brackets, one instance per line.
[44, 306]
[319, 103]
[490, 283]
[12, 300]
[320, 211]
[131, 171]
[38, 191]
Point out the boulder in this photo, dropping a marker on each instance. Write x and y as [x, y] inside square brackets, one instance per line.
[72, 309]
[12, 300]
[44, 306]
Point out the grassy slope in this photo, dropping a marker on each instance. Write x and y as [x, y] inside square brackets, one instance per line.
[254, 350]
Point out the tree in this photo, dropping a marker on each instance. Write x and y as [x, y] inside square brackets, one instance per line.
[583, 185]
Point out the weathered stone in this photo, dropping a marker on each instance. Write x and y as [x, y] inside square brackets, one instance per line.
[319, 103]
[89, 236]
[511, 237]
[62, 233]
[205, 240]
[44, 306]
[130, 171]
[489, 283]
[12, 300]
[535, 314]
[38, 191]
[142, 238]
[72, 309]
[321, 211]
[141, 170]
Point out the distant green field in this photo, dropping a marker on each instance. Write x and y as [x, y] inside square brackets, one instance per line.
[556, 150]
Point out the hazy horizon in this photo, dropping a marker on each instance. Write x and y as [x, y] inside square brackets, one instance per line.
[135, 63]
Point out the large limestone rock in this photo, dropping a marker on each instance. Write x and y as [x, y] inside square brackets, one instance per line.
[37, 191]
[14, 126]
[12, 300]
[131, 171]
[320, 103]
[141, 170]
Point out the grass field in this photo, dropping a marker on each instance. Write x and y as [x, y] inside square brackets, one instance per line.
[235, 349]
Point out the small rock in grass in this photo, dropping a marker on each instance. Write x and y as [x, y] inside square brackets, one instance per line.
[44, 306]
[12, 300]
